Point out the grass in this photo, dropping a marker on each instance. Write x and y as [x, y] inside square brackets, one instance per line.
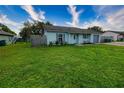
[65, 66]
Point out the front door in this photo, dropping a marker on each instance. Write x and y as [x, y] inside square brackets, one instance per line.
[75, 38]
[60, 38]
[96, 39]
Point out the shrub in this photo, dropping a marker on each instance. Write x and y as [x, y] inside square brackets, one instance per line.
[2, 42]
[66, 43]
[120, 40]
[51, 43]
[56, 42]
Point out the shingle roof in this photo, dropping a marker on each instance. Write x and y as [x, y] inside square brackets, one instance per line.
[118, 32]
[5, 33]
[69, 29]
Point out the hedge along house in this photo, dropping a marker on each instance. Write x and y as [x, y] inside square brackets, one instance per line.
[70, 35]
[7, 37]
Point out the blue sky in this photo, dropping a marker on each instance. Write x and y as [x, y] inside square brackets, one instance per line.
[82, 16]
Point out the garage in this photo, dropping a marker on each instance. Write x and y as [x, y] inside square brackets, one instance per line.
[96, 39]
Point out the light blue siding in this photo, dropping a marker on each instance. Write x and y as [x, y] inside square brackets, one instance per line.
[8, 39]
[66, 37]
[80, 38]
[73, 40]
[69, 38]
[51, 37]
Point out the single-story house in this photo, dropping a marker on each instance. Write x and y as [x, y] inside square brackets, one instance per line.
[71, 35]
[109, 36]
[7, 37]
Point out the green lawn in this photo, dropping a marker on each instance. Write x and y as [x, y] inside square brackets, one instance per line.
[61, 66]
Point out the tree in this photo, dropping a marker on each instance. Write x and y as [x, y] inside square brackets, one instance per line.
[36, 28]
[26, 31]
[48, 23]
[6, 29]
[95, 28]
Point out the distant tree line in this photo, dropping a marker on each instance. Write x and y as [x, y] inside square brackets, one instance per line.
[6, 29]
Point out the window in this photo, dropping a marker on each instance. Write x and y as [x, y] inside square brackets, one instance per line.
[86, 36]
[74, 36]
[60, 38]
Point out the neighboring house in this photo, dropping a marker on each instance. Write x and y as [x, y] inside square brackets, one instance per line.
[121, 36]
[109, 36]
[71, 35]
[8, 37]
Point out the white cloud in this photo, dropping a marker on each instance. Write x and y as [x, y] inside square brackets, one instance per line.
[30, 20]
[10, 23]
[75, 16]
[37, 16]
[113, 18]
[55, 24]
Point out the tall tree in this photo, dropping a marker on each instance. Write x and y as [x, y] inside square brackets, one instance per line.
[48, 23]
[36, 28]
[26, 31]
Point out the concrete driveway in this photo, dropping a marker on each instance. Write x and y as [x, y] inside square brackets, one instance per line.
[116, 43]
